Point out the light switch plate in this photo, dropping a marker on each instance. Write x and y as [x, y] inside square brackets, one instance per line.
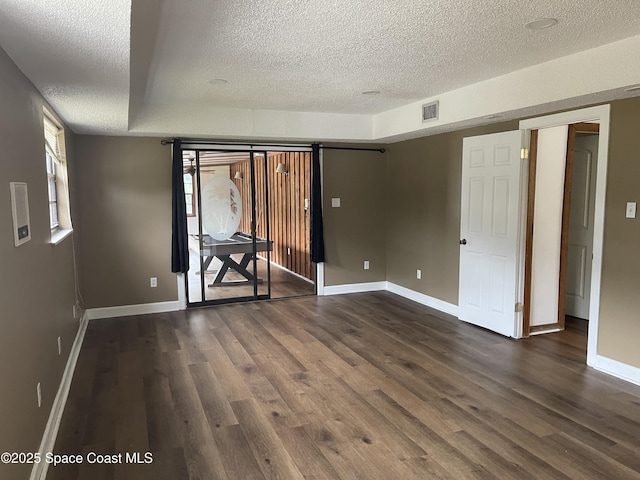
[335, 202]
[631, 209]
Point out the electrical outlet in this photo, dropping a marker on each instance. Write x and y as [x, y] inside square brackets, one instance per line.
[59, 346]
[366, 264]
[288, 251]
[418, 274]
[153, 282]
[39, 393]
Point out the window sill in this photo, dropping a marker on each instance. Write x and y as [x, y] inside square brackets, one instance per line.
[59, 235]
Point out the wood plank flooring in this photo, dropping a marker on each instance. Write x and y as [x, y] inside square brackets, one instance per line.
[362, 386]
[284, 284]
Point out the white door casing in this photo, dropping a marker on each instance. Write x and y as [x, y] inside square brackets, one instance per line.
[580, 249]
[489, 225]
[602, 115]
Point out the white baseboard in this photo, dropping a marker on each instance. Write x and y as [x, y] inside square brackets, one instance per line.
[418, 297]
[39, 470]
[182, 291]
[617, 369]
[354, 288]
[128, 310]
[423, 299]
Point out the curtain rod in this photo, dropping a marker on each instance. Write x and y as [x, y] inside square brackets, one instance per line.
[209, 142]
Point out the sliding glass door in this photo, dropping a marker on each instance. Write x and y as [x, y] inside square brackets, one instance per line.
[228, 226]
[249, 222]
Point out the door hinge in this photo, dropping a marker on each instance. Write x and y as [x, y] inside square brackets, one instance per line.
[519, 307]
[524, 153]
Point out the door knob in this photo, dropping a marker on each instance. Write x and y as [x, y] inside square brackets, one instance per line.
[463, 241]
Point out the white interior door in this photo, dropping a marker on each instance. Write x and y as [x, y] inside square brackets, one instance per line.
[580, 250]
[489, 231]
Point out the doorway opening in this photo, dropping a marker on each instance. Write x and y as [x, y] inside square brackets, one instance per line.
[495, 228]
[560, 217]
[578, 253]
[599, 115]
[247, 225]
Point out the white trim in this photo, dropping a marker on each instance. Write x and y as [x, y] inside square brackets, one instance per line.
[355, 288]
[522, 235]
[615, 368]
[182, 292]
[39, 470]
[320, 279]
[128, 310]
[566, 118]
[418, 297]
[600, 114]
[407, 293]
[423, 299]
[58, 236]
[598, 232]
[320, 266]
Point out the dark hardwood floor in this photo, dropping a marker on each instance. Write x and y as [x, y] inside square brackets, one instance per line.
[362, 386]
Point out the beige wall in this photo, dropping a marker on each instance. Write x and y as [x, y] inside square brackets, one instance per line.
[124, 199]
[355, 232]
[124, 196]
[37, 286]
[423, 181]
[620, 303]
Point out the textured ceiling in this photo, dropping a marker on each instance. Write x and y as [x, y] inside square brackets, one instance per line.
[107, 65]
[76, 53]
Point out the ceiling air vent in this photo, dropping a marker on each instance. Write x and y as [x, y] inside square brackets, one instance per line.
[430, 111]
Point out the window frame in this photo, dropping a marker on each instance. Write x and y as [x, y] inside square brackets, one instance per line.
[57, 178]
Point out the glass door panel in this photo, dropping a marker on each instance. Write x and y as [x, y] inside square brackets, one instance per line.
[223, 247]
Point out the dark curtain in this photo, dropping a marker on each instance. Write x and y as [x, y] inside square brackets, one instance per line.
[317, 230]
[179, 246]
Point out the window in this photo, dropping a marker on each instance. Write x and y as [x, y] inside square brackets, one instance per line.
[57, 185]
[188, 195]
[53, 194]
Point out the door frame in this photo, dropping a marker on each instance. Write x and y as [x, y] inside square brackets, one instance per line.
[600, 114]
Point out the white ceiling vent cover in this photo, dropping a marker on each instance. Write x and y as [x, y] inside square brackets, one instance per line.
[430, 111]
